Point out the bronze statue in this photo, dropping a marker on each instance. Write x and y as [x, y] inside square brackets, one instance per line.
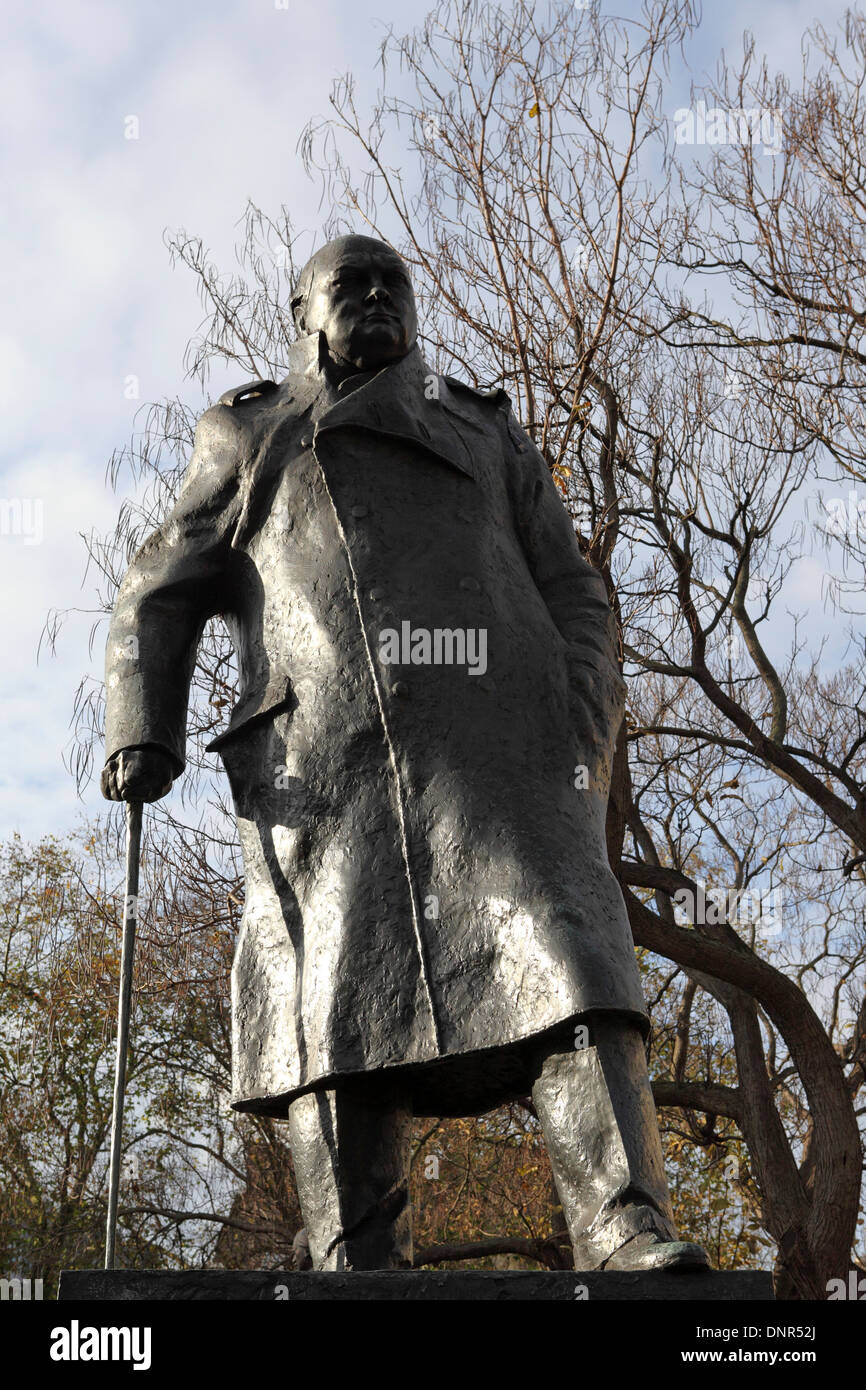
[420, 760]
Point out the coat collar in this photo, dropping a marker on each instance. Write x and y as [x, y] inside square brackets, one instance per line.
[405, 400]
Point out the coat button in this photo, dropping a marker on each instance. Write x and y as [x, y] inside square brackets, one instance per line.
[359, 511]
[400, 688]
[306, 441]
[377, 594]
[471, 584]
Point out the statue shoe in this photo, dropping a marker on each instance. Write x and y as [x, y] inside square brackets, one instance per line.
[650, 1250]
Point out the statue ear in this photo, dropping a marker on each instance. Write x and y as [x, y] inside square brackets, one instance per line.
[297, 308]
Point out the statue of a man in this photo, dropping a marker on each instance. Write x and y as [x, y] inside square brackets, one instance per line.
[420, 760]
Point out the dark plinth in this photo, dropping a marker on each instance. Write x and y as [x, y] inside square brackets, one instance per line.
[414, 1285]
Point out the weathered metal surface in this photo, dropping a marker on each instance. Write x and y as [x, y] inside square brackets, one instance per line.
[420, 759]
[425, 879]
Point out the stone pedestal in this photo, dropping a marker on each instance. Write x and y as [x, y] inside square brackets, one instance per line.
[413, 1285]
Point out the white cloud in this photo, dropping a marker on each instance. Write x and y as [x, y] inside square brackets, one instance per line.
[222, 93]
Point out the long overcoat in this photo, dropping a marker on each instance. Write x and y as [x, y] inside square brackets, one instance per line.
[420, 754]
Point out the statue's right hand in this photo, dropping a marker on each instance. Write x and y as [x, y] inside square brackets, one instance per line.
[137, 774]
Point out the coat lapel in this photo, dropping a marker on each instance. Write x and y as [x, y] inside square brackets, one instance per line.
[402, 402]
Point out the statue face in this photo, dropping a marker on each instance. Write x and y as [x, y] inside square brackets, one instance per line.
[362, 299]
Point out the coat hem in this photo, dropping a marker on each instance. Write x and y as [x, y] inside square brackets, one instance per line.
[459, 1083]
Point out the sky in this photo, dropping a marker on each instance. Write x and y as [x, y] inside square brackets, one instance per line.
[220, 93]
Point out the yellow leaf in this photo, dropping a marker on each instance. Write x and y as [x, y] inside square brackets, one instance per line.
[534, 110]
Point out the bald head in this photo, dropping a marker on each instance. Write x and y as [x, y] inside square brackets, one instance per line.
[357, 291]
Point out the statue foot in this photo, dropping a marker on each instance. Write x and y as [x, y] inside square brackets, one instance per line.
[651, 1251]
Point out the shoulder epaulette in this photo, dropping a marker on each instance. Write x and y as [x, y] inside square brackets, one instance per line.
[496, 396]
[250, 391]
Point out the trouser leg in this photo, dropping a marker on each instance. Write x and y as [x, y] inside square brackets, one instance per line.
[597, 1113]
[350, 1150]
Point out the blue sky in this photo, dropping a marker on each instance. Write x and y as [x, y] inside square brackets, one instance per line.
[221, 92]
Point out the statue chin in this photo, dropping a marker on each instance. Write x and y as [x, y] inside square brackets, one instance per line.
[375, 346]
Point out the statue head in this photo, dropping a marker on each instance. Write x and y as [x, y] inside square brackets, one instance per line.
[357, 291]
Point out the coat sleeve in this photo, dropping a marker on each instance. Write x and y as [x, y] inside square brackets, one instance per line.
[573, 591]
[174, 584]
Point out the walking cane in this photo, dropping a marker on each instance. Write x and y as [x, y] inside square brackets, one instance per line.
[127, 955]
